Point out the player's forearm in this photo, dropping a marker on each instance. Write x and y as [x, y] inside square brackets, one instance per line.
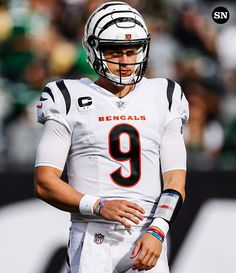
[51, 189]
[175, 180]
[169, 203]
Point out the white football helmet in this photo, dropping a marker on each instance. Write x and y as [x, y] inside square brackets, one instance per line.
[113, 24]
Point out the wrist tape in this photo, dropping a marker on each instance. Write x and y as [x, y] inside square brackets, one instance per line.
[160, 224]
[86, 204]
[168, 207]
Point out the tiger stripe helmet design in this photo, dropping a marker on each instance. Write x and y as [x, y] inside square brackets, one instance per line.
[116, 24]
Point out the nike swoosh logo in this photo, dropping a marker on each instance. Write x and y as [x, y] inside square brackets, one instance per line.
[40, 106]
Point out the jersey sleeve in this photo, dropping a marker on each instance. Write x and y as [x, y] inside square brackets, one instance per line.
[51, 106]
[56, 139]
[177, 103]
[172, 149]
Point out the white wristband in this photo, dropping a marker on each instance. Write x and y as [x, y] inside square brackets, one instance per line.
[86, 204]
[161, 224]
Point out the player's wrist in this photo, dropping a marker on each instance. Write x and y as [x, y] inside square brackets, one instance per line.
[157, 235]
[99, 205]
[87, 204]
[160, 226]
[168, 206]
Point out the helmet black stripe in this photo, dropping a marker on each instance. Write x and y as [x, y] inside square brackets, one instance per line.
[104, 16]
[119, 20]
[103, 7]
[112, 4]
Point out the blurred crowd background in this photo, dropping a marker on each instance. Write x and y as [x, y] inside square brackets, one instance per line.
[40, 41]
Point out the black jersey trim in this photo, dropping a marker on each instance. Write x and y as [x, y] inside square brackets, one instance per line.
[67, 255]
[170, 91]
[61, 85]
[49, 92]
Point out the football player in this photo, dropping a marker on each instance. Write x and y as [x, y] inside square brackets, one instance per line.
[117, 136]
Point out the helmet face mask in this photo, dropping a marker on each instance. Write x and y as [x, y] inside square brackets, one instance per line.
[116, 25]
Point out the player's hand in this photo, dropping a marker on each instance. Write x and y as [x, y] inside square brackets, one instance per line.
[149, 249]
[121, 211]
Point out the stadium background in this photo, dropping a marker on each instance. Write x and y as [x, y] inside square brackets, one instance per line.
[41, 41]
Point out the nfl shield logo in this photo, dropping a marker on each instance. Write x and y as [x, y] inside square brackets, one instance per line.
[120, 105]
[99, 238]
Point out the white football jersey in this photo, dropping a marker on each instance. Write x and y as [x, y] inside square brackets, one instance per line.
[115, 143]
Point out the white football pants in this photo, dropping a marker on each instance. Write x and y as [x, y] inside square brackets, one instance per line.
[106, 248]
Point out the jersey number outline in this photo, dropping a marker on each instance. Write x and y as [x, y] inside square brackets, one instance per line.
[133, 155]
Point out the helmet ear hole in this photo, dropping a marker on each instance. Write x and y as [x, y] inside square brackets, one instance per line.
[91, 40]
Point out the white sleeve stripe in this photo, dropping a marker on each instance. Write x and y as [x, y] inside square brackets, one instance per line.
[174, 168]
[46, 164]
